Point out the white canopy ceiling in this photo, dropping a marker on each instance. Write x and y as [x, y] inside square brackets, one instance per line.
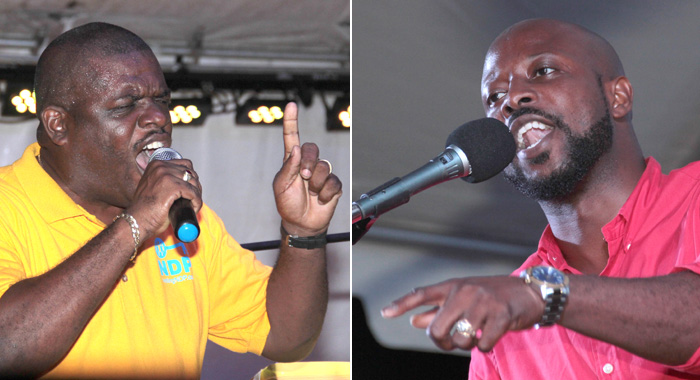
[270, 34]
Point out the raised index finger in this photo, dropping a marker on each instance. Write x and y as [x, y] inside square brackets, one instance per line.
[290, 130]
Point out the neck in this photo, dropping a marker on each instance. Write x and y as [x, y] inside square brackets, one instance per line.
[577, 221]
[103, 211]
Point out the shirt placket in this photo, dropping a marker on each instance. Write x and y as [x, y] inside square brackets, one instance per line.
[615, 235]
[608, 366]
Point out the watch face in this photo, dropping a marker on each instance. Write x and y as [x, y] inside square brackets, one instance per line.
[548, 274]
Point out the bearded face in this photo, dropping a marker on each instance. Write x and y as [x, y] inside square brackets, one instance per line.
[581, 153]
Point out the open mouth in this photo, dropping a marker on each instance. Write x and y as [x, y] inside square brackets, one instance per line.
[531, 134]
[146, 153]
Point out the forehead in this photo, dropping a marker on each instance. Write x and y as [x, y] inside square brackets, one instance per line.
[136, 70]
[521, 45]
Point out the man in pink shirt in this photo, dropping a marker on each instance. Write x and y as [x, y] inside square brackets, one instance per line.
[613, 289]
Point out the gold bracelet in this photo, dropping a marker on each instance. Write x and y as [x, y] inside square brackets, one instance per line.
[135, 233]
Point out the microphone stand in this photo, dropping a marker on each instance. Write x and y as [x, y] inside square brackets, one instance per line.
[367, 209]
[273, 244]
[360, 228]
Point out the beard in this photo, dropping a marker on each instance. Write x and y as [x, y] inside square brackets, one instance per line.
[582, 153]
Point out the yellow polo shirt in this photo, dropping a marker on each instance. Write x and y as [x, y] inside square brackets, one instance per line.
[175, 297]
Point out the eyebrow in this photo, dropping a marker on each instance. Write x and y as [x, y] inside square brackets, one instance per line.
[533, 57]
[132, 92]
[490, 76]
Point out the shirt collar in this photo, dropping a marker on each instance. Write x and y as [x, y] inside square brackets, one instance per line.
[646, 192]
[549, 252]
[47, 196]
[641, 200]
[643, 196]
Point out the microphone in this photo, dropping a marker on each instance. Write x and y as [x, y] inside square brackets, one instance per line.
[475, 152]
[181, 214]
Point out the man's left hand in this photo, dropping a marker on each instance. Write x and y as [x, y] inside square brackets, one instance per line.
[306, 192]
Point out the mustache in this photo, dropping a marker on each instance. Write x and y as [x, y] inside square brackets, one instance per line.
[556, 120]
[140, 142]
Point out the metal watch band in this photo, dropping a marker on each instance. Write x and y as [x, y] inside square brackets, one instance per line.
[553, 307]
[306, 242]
[554, 294]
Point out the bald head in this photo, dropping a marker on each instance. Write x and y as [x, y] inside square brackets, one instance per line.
[561, 90]
[547, 34]
[529, 51]
[67, 64]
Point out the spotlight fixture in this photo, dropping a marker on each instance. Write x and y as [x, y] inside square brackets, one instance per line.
[339, 117]
[19, 101]
[261, 112]
[189, 111]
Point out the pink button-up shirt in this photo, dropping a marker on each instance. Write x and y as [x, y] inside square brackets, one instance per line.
[657, 232]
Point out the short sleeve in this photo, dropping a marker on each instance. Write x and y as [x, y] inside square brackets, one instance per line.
[237, 293]
[11, 267]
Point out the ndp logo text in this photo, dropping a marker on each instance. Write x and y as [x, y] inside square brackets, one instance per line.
[178, 267]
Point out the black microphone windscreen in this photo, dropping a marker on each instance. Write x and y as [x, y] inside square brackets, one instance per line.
[488, 144]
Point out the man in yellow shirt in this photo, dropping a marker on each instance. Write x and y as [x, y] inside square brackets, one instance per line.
[92, 281]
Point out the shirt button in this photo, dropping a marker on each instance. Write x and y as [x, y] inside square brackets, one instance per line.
[608, 368]
[628, 246]
[124, 278]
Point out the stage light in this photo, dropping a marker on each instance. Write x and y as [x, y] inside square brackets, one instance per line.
[19, 101]
[345, 117]
[339, 117]
[189, 111]
[261, 112]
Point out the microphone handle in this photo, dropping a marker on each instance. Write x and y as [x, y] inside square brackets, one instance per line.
[184, 220]
[356, 213]
[450, 164]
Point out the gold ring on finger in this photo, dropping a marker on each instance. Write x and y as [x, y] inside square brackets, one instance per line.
[187, 176]
[465, 328]
[330, 167]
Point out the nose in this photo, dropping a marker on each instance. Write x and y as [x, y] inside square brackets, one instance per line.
[155, 115]
[519, 95]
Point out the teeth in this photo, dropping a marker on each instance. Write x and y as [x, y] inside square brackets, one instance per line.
[154, 145]
[526, 128]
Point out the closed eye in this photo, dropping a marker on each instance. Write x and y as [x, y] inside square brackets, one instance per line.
[163, 100]
[125, 106]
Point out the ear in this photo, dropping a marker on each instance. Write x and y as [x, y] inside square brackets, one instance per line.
[622, 98]
[53, 120]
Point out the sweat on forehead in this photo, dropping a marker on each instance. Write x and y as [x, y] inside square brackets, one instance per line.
[67, 61]
[554, 36]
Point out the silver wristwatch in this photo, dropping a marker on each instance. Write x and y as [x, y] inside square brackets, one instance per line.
[553, 284]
